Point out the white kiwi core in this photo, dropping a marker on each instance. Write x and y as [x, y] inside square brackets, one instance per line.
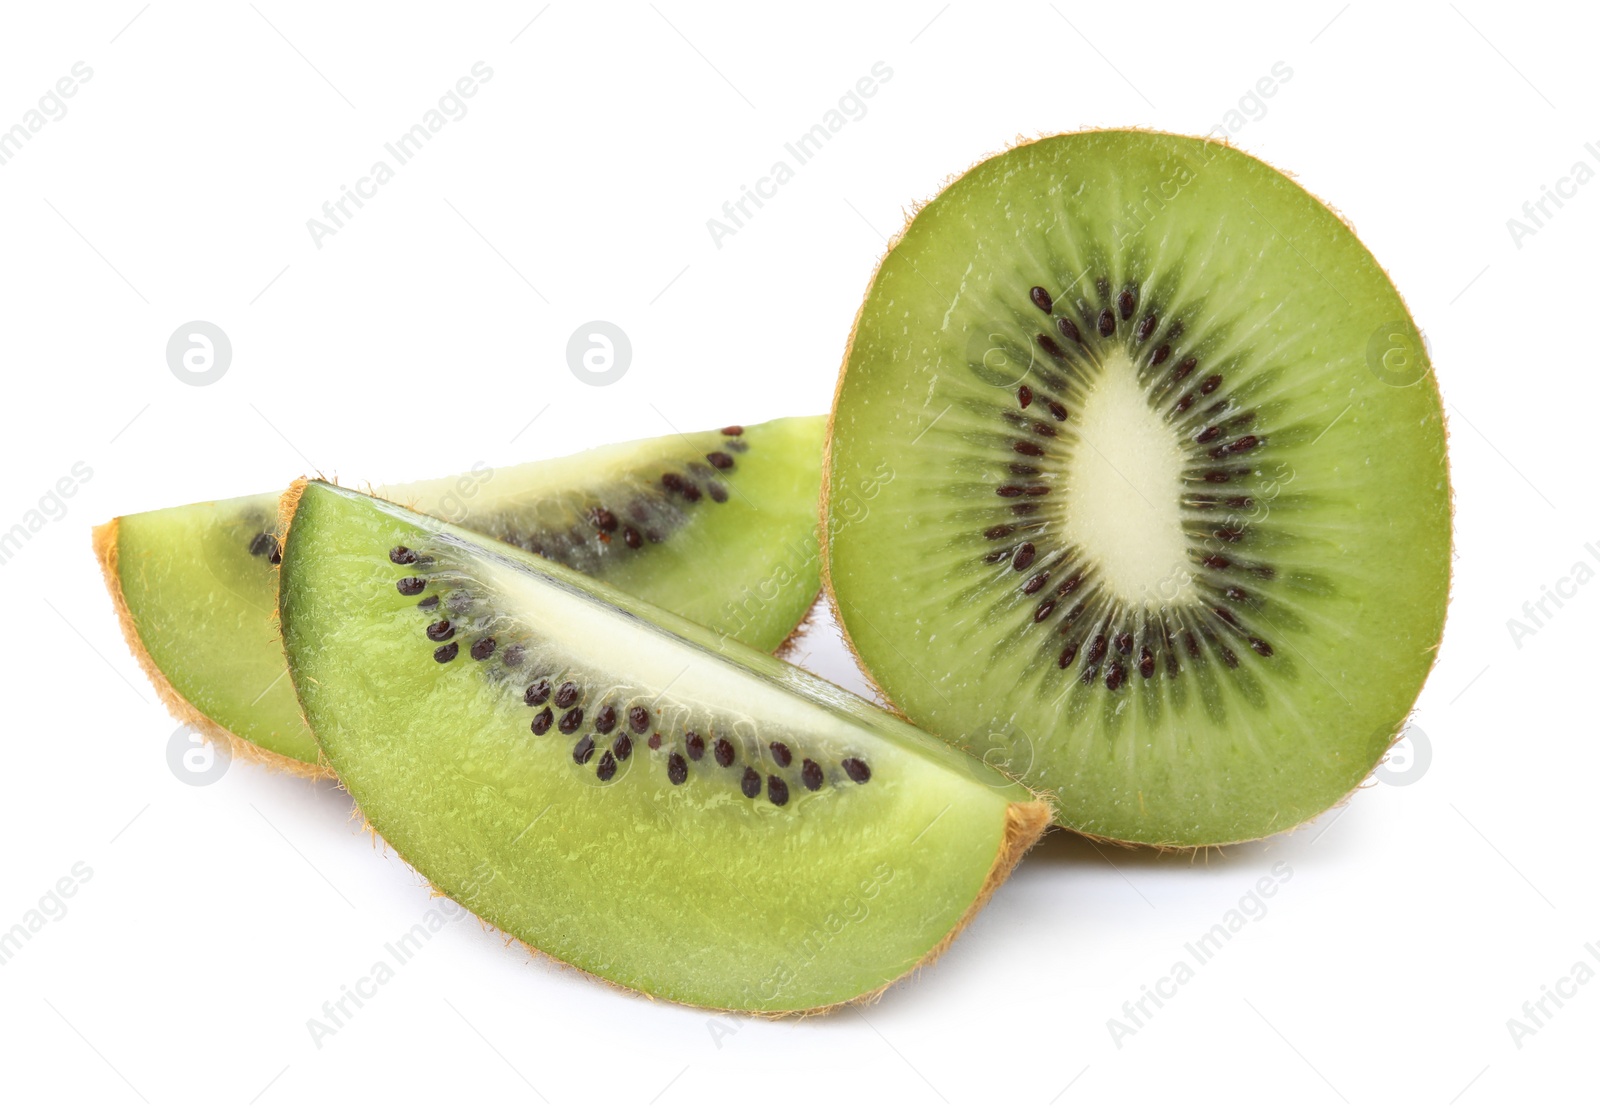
[1124, 490]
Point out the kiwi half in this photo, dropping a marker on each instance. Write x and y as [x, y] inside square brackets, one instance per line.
[718, 526]
[623, 789]
[1169, 528]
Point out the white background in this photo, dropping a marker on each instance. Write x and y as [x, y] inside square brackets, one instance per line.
[427, 333]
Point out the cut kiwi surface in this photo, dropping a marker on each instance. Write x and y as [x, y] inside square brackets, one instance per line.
[1169, 528]
[622, 789]
[718, 526]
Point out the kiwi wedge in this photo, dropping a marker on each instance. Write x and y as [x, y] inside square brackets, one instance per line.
[718, 526]
[620, 788]
[1168, 532]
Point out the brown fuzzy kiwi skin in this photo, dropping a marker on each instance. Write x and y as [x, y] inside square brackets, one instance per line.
[825, 535]
[107, 553]
[1025, 822]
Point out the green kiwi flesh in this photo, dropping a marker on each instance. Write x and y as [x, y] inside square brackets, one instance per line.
[624, 790]
[1167, 531]
[718, 526]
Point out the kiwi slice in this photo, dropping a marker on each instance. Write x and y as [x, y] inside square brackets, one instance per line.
[622, 789]
[1167, 529]
[718, 526]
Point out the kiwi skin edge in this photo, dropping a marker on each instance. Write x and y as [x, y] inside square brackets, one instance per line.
[105, 552]
[825, 535]
[1024, 824]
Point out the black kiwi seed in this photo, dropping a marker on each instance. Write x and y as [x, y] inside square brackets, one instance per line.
[1163, 352]
[858, 770]
[566, 695]
[632, 538]
[607, 767]
[1124, 643]
[440, 630]
[1261, 647]
[447, 652]
[639, 719]
[1048, 345]
[583, 750]
[1185, 367]
[1114, 675]
[720, 460]
[410, 586]
[602, 519]
[716, 492]
[1147, 662]
[1041, 299]
[811, 775]
[677, 768]
[733, 430]
[1024, 396]
[1035, 583]
[999, 531]
[542, 721]
[780, 754]
[723, 749]
[538, 692]
[1031, 449]
[777, 790]
[402, 555]
[622, 746]
[694, 744]
[1042, 612]
[428, 602]
[750, 783]
[1023, 558]
[1146, 328]
[263, 544]
[482, 649]
[1058, 410]
[571, 721]
[1069, 330]
[1125, 303]
[605, 719]
[654, 742]
[1107, 322]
